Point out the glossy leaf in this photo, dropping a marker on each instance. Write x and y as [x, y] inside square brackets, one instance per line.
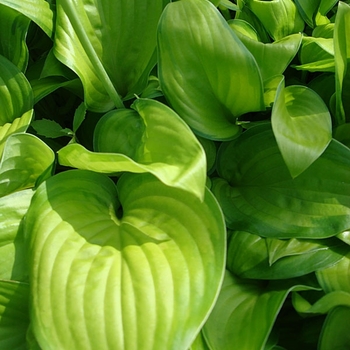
[13, 32]
[110, 45]
[150, 258]
[258, 195]
[336, 277]
[24, 160]
[148, 138]
[272, 58]
[280, 17]
[14, 315]
[308, 10]
[302, 126]
[246, 310]
[248, 257]
[206, 73]
[342, 56]
[335, 332]
[13, 264]
[39, 11]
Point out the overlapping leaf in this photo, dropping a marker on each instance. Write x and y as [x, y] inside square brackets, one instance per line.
[148, 138]
[110, 45]
[246, 310]
[206, 73]
[149, 258]
[258, 195]
[302, 126]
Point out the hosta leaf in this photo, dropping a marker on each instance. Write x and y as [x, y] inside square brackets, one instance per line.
[148, 138]
[199, 343]
[24, 160]
[272, 58]
[336, 277]
[335, 332]
[14, 315]
[308, 10]
[280, 17]
[302, 126]
[13, 32]
[248, 257]
[110, 45]
[258, 195]
[246, 310]
[342, 56]
[16, 100]
[151, 266]
[206, 73]
[13, 264]
[39, 11]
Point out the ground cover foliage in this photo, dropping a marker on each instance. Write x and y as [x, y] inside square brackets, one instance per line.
[174, 174]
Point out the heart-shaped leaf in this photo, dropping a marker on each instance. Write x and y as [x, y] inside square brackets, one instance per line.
[110, 45]
[209, 77]
[141, 274]
[148, 138]
[258, 195]
[302, 126]
[24, 160]
[246, 310]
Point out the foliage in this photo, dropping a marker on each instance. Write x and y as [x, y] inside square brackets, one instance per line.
[174, 174]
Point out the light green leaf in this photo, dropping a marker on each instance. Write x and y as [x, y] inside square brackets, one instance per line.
[148, 257]
[49, 128]
[79, 116]
[24, 160]
[308, 10]
[110, 45]
[248, 257]
[279, 17]
[13, 263]
[342, 56]
[302, 126]
[13, 32]
[335, 333]
[206, 73]
[199, 343]
[258, 195]
[336, 277]
[272, 58]
[39, 11]
[150, 138]
[16, 101]
[246, 310]
[14, 315]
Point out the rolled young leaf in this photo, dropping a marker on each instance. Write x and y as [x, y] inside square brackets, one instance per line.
[302, 126]
[111, 45]
[208, 76]
[148, 138]
[258, 195]
[133, 267]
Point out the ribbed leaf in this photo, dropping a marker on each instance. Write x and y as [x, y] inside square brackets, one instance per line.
[111, 45]
[246, 310]
[143, 275]
[13, 264]
[280, 17]
[16, 101]
[148, 138]
[24, 160]
[258, 195]
[248, 257]
[39, 11]
[14, 315]
[13, 32]
[336, 277]
[302, 126]
[206, 73]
